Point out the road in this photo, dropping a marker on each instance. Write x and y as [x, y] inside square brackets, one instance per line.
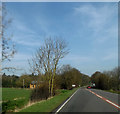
[91, 100]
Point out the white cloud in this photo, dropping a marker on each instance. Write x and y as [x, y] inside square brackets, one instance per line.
[20, 62]
[77, 58]
[111, 56]
[21, 26]
[21, 56]
[45, 25]
[28, 40]
[109, 34]
[18, 58]
[23, 34]
[99, 19]
[98, 16]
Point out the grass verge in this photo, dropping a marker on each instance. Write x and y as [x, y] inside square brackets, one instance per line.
[50, 104]
[112, 91]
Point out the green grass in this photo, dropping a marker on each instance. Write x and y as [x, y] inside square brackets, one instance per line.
[0, 94]
[14, 98]
[12, 93]
[51, 104]
[112, 91]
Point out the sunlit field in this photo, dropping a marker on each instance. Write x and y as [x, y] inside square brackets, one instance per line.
[14, 98]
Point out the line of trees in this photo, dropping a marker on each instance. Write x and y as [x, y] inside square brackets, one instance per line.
[107, 80]
[9, 81]
[64, 79]
[66, 76]
[17, 82]
[69, 76]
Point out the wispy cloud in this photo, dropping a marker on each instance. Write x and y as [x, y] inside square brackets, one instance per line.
[20, 62]
[45, 26]
[99, 19]
[109, 34]
[113, 56]
[22, 57]
[97, 16]
[28, 40]
[22, 27]
[24, 35]
[78, 59]
[19, 58]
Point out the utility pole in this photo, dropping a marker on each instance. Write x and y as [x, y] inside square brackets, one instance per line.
[11, 83]
[23, 83]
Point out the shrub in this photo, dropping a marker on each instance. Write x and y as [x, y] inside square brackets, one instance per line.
[40, 93]
[8, 106]
[11, 105]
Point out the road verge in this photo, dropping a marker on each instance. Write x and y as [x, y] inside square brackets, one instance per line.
[51, 104]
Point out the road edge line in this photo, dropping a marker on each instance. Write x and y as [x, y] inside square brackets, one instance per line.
[108, 101]
[66, 102]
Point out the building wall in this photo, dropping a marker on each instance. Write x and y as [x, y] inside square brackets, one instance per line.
[32, 86]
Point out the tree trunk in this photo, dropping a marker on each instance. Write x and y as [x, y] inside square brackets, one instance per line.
[52, 86]
[53, 81]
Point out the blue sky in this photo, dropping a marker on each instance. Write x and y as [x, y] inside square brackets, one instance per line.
[91, 30]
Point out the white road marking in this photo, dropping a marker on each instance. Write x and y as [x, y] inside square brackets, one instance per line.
[65, 103]
[113, 103]
[110, 102]
[99, 96]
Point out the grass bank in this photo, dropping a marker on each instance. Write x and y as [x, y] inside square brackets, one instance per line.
[50, 104]
[112, 91]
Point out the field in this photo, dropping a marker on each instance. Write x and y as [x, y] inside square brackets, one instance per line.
[14, 98]
[14, 93]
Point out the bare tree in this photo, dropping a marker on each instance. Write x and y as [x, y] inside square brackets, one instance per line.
[47, 57]
[7, 46]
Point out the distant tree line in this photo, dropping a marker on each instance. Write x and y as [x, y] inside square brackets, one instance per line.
[9, 81]
[65, 78]
[70, 76]
[17, 81]
[107, 80]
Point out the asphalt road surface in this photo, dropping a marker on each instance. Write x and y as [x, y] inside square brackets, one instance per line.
[91, 100]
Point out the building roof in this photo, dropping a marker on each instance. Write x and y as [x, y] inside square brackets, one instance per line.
[34, 82]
